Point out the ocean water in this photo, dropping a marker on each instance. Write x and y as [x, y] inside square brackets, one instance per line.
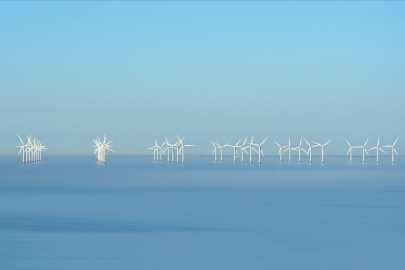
[133, 213]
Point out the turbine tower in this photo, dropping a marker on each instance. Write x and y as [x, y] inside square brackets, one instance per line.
[393, 149]
[322, 145]
[377, 147]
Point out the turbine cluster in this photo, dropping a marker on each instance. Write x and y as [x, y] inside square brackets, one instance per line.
[299, 149]
[377, 148]
[32, 150]
[176, 149]
[255, 147]
[251, 146]
[101, 147]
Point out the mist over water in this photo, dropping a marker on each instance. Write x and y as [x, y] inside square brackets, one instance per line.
[133, 213]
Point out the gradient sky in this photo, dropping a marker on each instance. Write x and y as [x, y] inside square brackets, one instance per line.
[138, 71]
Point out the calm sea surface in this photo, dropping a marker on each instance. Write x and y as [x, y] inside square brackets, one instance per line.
[132, 213]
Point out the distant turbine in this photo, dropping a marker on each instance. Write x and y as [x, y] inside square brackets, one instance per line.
[309, 152]
[243, 149]
[393, 149]
[221, 147]
[299, 148]
[234, 149]
[280, 151]
[350, 151]
[101, 148]
[322, 145]
[259, 150]
[289, 150]
[22, 148]
[364, 150]
[182, 148]
[214, 153]
[377, 147]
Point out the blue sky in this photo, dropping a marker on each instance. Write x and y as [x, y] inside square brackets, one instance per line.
[138, 71]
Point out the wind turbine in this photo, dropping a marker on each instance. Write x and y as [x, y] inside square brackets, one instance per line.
[377, 147]
[289, 150]
[22, 148]
[259, 150]
[322, 145]
[243, 149]
[280, 151]
[214, 153]
[28, 149]
[350, 151]
[299, 148]
[309, 152]
[393, 149]
[166, 149]
[364, 150]
[155, 149]
[182, 148]
[41, 149]
[250, 149]
[220, 147]
[101, 148]
[234, 149]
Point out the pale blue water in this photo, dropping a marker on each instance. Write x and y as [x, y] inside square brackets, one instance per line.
[132, 213]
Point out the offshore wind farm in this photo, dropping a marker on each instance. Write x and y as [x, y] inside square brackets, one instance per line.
[202, 135]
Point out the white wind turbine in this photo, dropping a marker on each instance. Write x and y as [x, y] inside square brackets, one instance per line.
[182, 148]
[322, 145]
[41, 149]
[22, 149]
[29, 149]
[250, 145]
[393, 149]
[280, 151]
[221, 147]
[364, 150]
[36, 149]
[377, 147]
[350, 151]
[309, 152]
[101, 148]
[178, 146]
[243, 149]
[299, 148]
[214, 153]
[289, 150]
[259, 150]
[166, 149]
[156, 151]
[234, 149]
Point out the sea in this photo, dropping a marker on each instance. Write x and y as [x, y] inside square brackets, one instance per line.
[135, 213]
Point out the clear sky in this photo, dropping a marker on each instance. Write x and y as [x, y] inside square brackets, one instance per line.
[138, 71]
